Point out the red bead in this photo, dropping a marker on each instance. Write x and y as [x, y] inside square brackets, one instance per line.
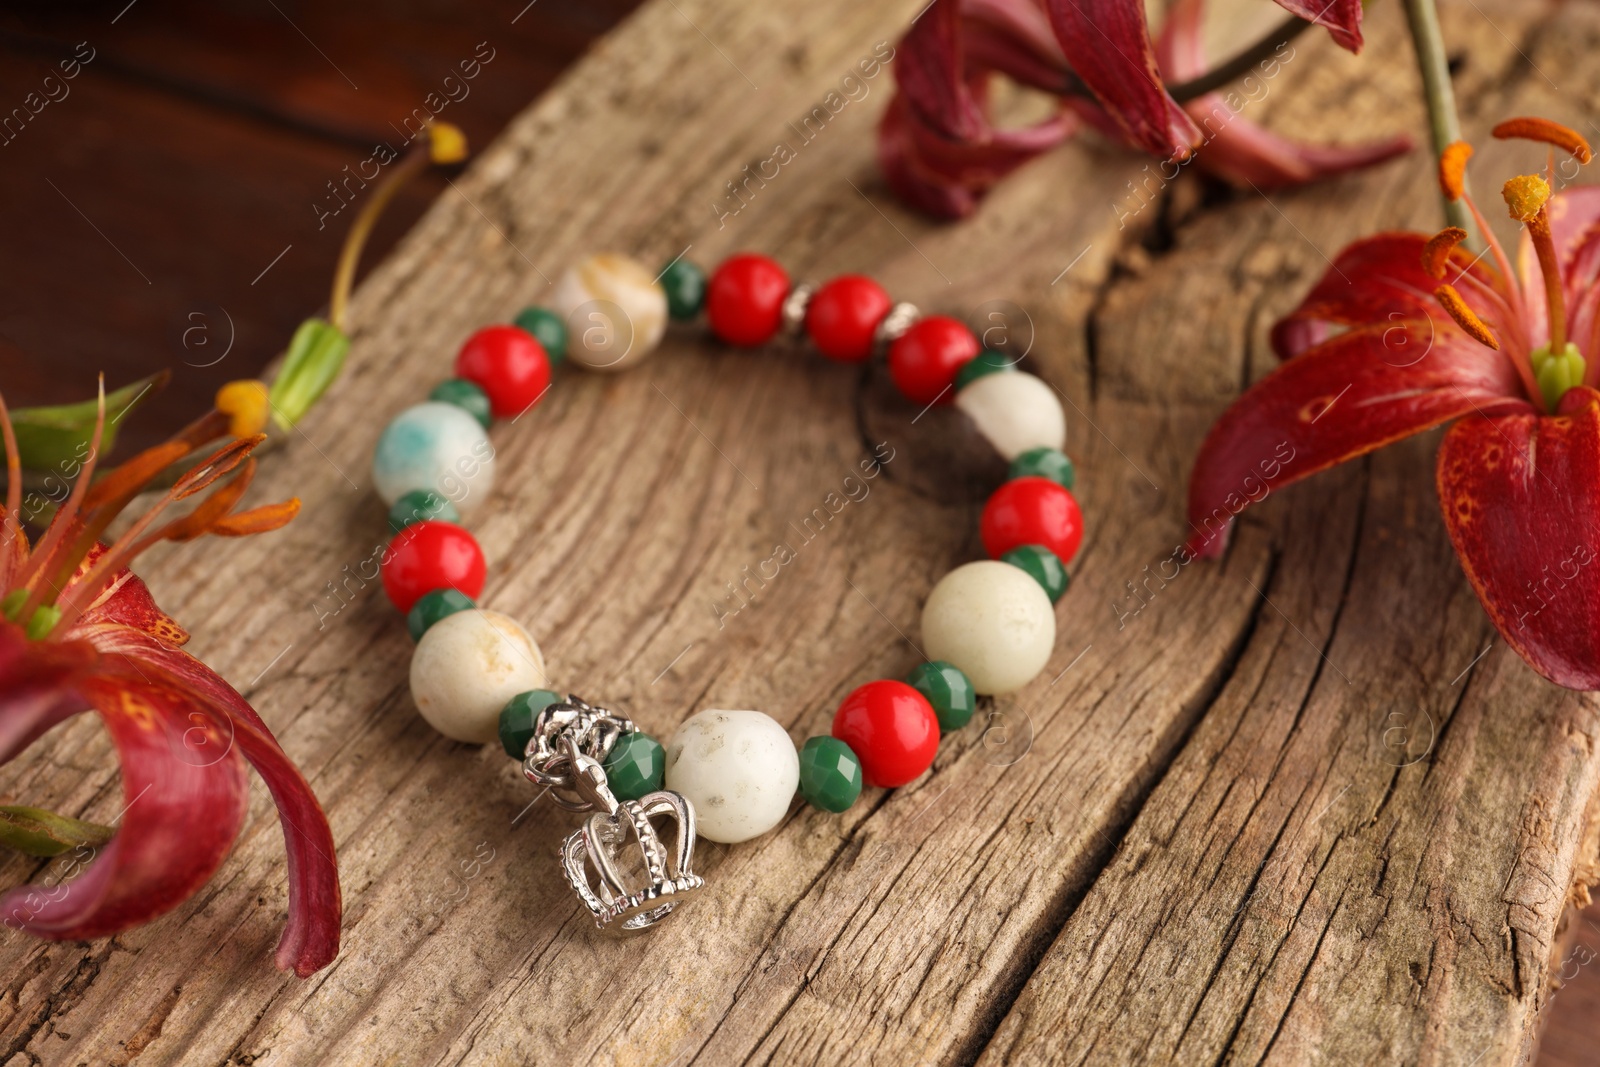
[923, 361]
[508, 364]
[431, 555]
[744, 299]
[844, 314]
[891, 728]
[1032, 511]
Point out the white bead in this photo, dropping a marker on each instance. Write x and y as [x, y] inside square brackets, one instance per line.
[993, 621]
[738, 768]
[467, 666]
[436, 447]
[615, 311]
[1015, 411]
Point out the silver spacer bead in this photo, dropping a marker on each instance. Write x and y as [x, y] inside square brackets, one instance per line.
[794, 309]
[898, 321]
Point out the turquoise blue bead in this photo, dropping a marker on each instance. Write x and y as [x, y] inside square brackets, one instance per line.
[434, 447]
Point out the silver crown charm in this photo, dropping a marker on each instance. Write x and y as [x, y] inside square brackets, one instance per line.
[616, 863]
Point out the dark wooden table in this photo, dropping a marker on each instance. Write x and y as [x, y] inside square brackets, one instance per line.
[166, 211]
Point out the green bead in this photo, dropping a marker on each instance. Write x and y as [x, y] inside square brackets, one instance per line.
[468, 396]
[1044, 565]
[517, 719]
[948, 690]
[635, 766]
[432, 607]
[986, 362]
[830, 774]
[548, 329]
[685, 284]
[421, 505]
[1045, 463]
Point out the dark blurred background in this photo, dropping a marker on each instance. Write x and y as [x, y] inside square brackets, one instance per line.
[146, 202]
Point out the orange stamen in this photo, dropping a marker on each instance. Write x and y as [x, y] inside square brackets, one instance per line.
[1453, 169]
[245, 404]
[85, 589]
[1544, 245]
[1545, 132]
[1437, 251]
[1465, 317]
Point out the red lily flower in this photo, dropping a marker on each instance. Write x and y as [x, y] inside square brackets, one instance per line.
[941, 153]
[81, 631]
[1367, 361]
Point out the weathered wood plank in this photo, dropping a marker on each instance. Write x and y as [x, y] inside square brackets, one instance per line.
[904, 930]
[1365, 852]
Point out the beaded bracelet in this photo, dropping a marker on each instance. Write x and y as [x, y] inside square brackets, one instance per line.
[728, 775]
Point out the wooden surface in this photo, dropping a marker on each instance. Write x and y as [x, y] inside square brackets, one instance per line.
[1197, 838]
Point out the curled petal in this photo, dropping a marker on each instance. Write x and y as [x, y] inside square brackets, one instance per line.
[1341, 18]
[1245, 154]
[1108, 46]
[1344, 398]
[181, 814]
[1521, 499]
[936, 144]
[947, 178]
[311, 939]
[1381, 279]
[126, 601]
[36, 686]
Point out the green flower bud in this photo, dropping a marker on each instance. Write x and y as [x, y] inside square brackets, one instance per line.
[316, 355]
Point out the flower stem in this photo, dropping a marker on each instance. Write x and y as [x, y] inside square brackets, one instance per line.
[345, 275]
[1434, 66]
[1220, 75]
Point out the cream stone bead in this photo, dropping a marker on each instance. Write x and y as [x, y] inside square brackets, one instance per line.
[738, 768]
[1015, 411]
[993, 621]
[467, 666]
[614, 309]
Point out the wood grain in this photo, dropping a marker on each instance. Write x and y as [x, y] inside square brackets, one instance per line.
[1195, 837]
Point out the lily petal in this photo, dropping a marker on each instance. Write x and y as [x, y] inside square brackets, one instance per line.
[1575, 230]
[1341, 18]
[180, 817]
[1107, 43]
[1352, 394]
[1379, 279]
[1521, 499]
[36, 686]
[311, 939]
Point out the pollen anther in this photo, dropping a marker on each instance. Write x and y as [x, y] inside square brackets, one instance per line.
[1453, 169]
[1437, 251]
[1545, 132]
[1465, 317]
[1526, 195]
